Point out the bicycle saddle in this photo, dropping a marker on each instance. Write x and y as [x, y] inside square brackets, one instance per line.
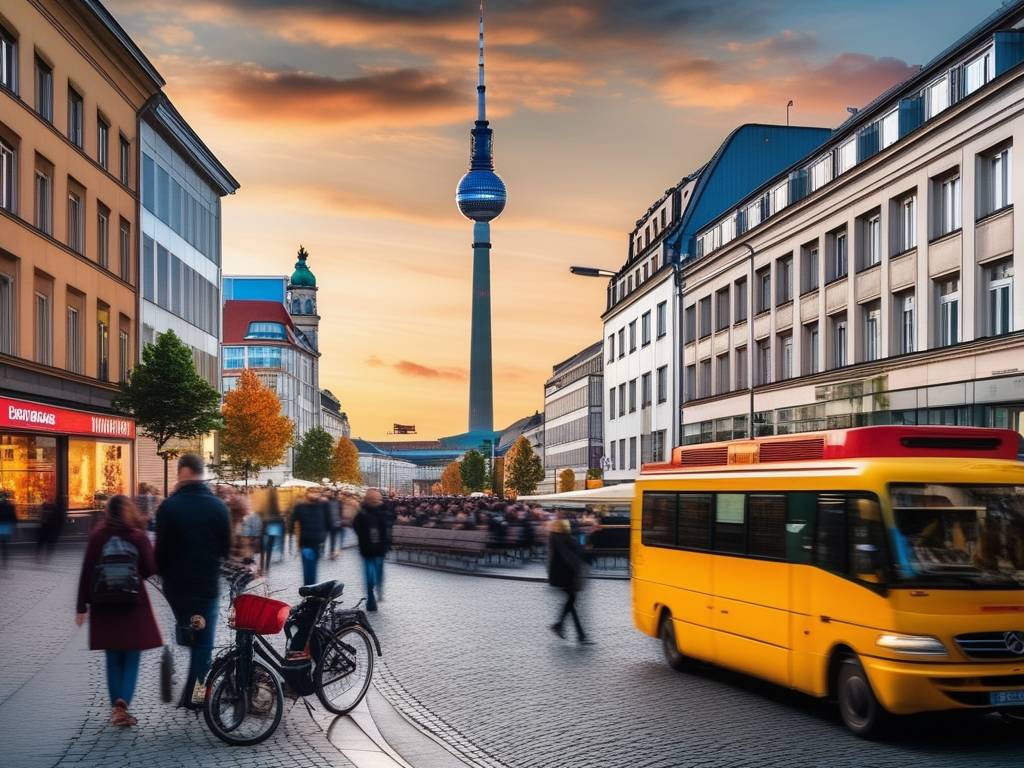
[325, 590]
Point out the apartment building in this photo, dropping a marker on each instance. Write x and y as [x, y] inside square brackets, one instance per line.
[873, 281]
[71, 86]
[573, 419]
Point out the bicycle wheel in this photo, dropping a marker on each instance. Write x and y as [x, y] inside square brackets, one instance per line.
[243, 718]
[345, 669]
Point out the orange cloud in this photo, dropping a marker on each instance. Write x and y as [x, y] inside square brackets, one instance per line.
[419, 371]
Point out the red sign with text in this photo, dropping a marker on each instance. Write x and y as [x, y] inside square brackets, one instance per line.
[21, 414]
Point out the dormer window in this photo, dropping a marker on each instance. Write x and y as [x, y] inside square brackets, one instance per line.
[262, 330]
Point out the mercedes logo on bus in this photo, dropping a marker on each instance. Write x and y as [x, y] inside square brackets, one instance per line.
[1014, 642]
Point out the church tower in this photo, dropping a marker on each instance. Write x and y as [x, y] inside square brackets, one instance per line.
[302, 300]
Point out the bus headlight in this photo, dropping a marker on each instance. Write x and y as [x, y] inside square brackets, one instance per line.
[919, 645]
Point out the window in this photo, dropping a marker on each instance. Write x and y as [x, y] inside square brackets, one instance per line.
[784, 279]
[8, 61]
[123, 355]
[645, 390]
[722, 309]
[125, 151]
[632, 395]
[850, 537]
[873, 240]
[6, 314]
[996, 181]
[764, 362]
[658, 519]
[704, 311]
[694, 520]
[752, 213]
[889, 129]
[786, 356]
[44, 90]
[622, 343]
[611, 348]
[847, 155]
[611, 403]
[662, 317]
[741, 368]
[645, 328]
[780, 197]
[75, 117]
[690, 383]
[8, 174]
[704, 385]
[977, 72]
[811, 352]
[810, 268]
[690, 323]
[234, 358]
[905, 317]
[839, 341]
[949, 311]
[937, 97]
[44, 332]
[949, 206]
[43, 202]
[622, 399]
[999, 298]
[740, 293]
[632, 453]
[102, 342]
[76, 225]
[763, 283]
[821, 172]
[102, 142]
[124, 250]
[622, 453]
[264, 357]
[663, 384]
[906, 223]
[265, 330]
[722, 374]
[730, 523]
[611, 454]
[74, 340]
[632, 336]
[767, 523]
[102, 235]
[838, 266]
[872, 332]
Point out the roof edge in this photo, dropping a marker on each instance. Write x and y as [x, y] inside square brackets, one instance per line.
[107, 19]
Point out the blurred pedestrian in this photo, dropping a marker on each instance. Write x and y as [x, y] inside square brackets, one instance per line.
[373, 529]
[314, 521]
[8, 523]
[273, 532]
[250, 531]
[193, 536]
[112, 595]
[51, 523]
[566, 564]
[337, 531]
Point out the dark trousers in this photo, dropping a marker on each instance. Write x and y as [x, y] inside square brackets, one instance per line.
[270, 541]
[569, 609]
[310, 558]
[373, 571]
[201, 650]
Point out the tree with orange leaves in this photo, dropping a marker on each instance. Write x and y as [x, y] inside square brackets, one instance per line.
[256, 434]
[345, 462]
[451, 479]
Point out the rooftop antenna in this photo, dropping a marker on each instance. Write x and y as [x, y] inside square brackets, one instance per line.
[481, 107]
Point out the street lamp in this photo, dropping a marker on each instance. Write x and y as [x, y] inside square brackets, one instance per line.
[789, 104]
[591, 272]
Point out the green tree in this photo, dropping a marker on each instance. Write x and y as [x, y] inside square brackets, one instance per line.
[313, 455]
[167, 398]
[523, 468]
[473, 469]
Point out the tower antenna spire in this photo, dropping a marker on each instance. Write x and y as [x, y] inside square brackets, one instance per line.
[481, 106]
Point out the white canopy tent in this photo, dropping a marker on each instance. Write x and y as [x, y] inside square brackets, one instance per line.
[619, 496]
[297, 483]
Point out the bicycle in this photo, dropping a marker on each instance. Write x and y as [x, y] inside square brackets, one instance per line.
[244, 693]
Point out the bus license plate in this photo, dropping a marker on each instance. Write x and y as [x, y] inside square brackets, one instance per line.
[1006, 698]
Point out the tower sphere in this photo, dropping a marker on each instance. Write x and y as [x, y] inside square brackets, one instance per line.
[481, 195]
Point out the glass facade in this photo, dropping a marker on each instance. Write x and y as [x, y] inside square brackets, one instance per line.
[97, 470]
[28, 471]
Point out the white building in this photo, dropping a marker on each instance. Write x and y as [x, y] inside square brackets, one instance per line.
[332, 418]
[573, 421]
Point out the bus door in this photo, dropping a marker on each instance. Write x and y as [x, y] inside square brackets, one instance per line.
[800, 526]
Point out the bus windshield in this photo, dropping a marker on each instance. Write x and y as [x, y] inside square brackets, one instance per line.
[958, 536]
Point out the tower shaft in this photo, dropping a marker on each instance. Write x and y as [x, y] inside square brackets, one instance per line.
[481, 405]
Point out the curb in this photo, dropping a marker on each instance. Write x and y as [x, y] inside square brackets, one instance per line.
[503, 576]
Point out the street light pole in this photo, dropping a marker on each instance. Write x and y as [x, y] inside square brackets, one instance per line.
[750, 335]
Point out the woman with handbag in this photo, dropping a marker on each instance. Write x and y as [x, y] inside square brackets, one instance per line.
[112, 595]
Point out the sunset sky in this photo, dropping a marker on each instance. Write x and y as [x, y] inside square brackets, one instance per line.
[347, 124]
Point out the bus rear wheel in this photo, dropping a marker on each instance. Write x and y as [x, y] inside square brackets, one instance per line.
[669, 647]
[860, 709]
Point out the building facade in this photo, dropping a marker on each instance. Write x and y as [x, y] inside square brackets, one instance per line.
[573, 416]
[72, 84]
[180, 252]
[873, 282]
[332, 418]
[642, 316]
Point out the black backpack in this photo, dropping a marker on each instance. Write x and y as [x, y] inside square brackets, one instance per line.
[115, 580]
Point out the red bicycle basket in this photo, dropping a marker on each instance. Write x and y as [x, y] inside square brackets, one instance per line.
[260, 614]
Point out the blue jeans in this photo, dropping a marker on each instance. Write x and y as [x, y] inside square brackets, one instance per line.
[373, 570]
[201, 650]
[310, 557]
[122, 674]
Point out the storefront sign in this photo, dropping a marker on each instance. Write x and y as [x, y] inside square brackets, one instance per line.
[36, 417]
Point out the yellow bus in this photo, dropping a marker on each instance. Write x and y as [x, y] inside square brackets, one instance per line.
[879, 566]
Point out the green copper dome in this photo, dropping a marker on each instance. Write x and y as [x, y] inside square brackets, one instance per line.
[302, 277]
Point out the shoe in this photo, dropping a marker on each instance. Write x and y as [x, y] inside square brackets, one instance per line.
[558, 631]
[586, 641]
[297, 656]
[198, 694]
[119, 714]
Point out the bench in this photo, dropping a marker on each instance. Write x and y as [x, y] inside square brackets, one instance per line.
[439, 546]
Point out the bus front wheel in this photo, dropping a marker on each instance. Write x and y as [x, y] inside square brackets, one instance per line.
[859, 707]
[669, 646]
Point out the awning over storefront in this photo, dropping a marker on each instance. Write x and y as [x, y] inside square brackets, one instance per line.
[37, 417]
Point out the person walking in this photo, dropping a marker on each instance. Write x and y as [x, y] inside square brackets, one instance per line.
[566, 563]
[193, 537]
[8, 523]
[112, 596]
[372, 525]
[51, 523]
[337, 532]
[314, 519]
[273, 532]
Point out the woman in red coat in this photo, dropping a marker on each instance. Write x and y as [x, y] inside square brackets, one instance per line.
[124, 630]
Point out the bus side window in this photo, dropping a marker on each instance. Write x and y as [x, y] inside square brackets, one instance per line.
[658, 523]
[800, 519]
[766, 514]
[694, 530]
[867, 540]
[730, 523]
[830, 541]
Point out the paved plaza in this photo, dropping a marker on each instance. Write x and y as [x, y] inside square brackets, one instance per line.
[471, 661]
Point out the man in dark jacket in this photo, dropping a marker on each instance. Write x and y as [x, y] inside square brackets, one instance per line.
[314, 519]
[566, 564]
[193, 536]
[372, 525]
